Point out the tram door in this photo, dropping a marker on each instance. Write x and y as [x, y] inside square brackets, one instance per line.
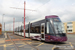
[43, 31]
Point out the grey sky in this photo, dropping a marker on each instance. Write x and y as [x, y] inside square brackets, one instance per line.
[65, 9]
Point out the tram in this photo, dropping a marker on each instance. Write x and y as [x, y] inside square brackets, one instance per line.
[49, 29]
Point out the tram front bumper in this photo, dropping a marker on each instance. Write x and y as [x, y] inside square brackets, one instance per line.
[59, 39]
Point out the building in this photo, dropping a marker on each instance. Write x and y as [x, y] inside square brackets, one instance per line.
[70, 27]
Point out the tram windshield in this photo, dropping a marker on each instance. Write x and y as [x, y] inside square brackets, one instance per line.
[58, 25]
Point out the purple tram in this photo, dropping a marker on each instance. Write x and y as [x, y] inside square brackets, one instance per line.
[50, 29]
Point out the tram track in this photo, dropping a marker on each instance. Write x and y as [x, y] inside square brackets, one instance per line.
[22, 41]
[13, 42]
[27, 43]
[35, 47]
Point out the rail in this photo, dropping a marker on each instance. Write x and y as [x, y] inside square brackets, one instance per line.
[22, 41]
[26, 43]
[13, 42]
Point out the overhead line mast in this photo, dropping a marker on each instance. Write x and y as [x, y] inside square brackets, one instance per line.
[24, 19]
[24, 16]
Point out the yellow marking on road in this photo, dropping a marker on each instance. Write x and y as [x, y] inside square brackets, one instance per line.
[15, 43]
[30, 42]
[53, 47]
[22, 45]
[12, 49]
[39, 44]
[27, 47]
[48, 44]
[9, 44]
[19, 43]
[12, 44]
[4, 46]
[71, 44]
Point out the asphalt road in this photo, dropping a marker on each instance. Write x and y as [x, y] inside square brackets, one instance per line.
[40, 45]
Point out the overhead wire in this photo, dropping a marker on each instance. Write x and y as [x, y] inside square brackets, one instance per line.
[42, 5]
[39, 7]
[16, 9]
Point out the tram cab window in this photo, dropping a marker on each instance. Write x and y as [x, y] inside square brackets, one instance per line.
[58, 25]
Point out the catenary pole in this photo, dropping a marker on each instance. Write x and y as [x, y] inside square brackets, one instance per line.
[24, 14]
[24, 19]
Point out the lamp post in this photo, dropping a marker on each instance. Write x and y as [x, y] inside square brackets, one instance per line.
[13, 24]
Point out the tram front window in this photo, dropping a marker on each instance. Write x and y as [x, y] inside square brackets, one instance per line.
[58, 26]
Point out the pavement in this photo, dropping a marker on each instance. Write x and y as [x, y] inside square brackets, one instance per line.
[2, 36]
[8, 45]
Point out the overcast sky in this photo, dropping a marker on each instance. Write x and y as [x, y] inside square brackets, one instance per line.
[65, 9]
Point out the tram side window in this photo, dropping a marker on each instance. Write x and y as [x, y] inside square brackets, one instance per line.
[32, 30]
[37, 29]
[18, 29]
[49, 28]
[22, 30]
[42, 29]
[15, 30]
[26, 30]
